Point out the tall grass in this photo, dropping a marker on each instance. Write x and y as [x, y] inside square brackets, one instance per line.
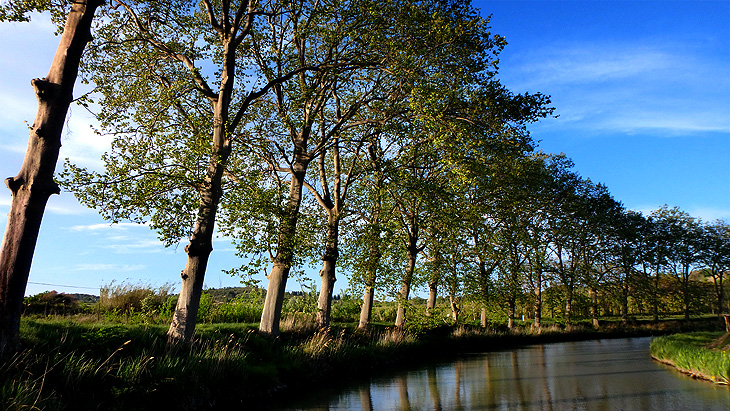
[692, 354]
[118, 367]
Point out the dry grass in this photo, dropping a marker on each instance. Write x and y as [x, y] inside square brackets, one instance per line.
[300, 323]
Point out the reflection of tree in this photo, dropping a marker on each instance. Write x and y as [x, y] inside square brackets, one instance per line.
[519, 390]
[542, 367]
[457, 384]
[434, 388]
[366, 402]
[405, 403]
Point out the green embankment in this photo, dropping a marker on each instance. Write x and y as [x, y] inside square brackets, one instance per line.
[701, 354]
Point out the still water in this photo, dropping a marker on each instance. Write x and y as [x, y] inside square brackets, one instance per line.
[589, 375]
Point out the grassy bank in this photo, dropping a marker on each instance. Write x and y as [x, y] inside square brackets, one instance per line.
[70, 364]
[701, 354]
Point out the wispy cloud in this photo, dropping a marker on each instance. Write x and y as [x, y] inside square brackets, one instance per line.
[104, 227]
[123, 268]
[622, 87]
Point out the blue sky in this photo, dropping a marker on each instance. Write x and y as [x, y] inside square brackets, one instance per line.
[642, 89]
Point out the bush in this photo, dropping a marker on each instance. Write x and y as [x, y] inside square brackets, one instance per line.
[346, 309]
[51, 303]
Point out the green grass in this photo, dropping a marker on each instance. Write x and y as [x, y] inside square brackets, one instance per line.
[692, 353]
[75, 363]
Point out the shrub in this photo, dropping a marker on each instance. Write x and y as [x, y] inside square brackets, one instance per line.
[51, 303]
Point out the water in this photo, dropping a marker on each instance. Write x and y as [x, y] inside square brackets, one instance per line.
[588, 375]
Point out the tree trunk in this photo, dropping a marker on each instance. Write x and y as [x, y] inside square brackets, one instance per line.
[483, 317]
[432, 294]
[198, 250]
[371, 266]
[511, 308]
[324, 304]
[625, 303]
[593, 294]
[685, 292]
[370, 276]
[538, 307]
[271, 314]
[568, 306]
[538, 299]
[655, 297]
[433, 281]
[34, 184]
[367, 307]
[454, 308]
[400, 318]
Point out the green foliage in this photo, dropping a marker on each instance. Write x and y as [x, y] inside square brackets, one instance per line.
[346, 309]
[52, 303]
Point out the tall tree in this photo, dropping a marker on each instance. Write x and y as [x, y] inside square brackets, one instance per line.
[175, 96]
[715, 256]
[34, 184]
[680, 233]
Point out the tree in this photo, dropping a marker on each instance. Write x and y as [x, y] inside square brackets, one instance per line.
[680, 234]
[715, 256]
[34, 183]
[175, 96]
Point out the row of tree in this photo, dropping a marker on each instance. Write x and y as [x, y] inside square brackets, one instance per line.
[368, 135]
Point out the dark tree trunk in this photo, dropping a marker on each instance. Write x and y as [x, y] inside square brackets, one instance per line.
[34, 184]
[593, 294]
[511, 309]
[538, 308]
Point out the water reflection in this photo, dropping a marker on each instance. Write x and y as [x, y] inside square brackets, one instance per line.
[592, 375]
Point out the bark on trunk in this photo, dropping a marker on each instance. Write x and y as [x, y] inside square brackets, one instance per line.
[369, 294]
[271, 314]
[454, 308]
[324, 304]
[483, 317]
[34, 184]
[432, 294]
[182, 327]
[367, 307]
[400, 318]
[371, 266]
[198, 250]
[511, 305]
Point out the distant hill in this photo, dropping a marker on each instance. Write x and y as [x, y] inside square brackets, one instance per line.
[229, 293]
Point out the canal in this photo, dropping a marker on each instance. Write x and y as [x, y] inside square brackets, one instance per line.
[612, 374]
